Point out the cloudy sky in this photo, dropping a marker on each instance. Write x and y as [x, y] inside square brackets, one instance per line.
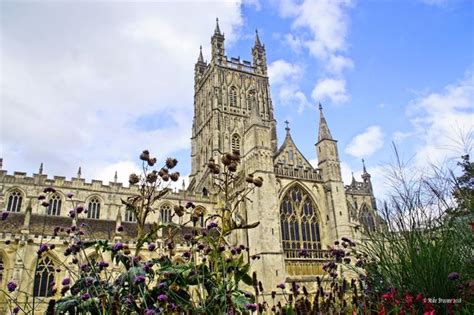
[92, 83]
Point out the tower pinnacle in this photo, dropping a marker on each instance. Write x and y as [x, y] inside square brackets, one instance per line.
[200, 58]
[324, 133]
[217, 29]
[257, 39]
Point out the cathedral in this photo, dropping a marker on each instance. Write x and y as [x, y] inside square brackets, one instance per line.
[298, 206]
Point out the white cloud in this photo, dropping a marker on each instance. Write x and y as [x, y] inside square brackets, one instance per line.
[281, 71]
[327, 23]
[97, 93]
[444, 121]
[332, 89]
[366, 143]
[321, 26]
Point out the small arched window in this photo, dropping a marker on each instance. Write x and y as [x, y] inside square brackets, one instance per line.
[44, 277]
[14, 201]
[367, 220]
[165, 213]
[54, 205]
[235, 143]
[93, 210]
[130, 216]
[233, 97]
[251, 100]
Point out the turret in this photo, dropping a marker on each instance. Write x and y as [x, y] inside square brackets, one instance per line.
[259, 56]
[217, 42]
[199, 67]
[366, 176]
[328, 157]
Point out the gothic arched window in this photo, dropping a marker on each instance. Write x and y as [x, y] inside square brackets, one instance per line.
[299, 222]
[235, 145]
[367, 219]
[165, 213]
[251, 100]
[14, 201]
[93, 210]
[44, 277]
[233, 97]
[54, 205]
[130, 216]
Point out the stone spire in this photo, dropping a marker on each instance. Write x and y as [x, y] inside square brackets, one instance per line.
[324, 133]
[40, 171]
[257, 39]
[1, 164]
[79, 172]
[115, 177]
[365, 174]
[200, 58]
[217, 30]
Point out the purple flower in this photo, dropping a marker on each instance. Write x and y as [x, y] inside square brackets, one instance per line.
[45, 204]
[453, 276]
[117, 246]
[303, 253]
[49, 190]
[66, 281]
[79, 209]
[41, 197]
[4, 216]
[11, 286]
[151, 247]
[190, 205]
[281, 286]
[139, 279]
[88, 281]
[69, 195]
[251, 307]
[102, 264]
[171, 307]
[120, 228]
[42, 248]
[161, 285]
[85, 296]
[212, 225]
[187, 255]
[150, 312]
[16, 310]
[162, 298]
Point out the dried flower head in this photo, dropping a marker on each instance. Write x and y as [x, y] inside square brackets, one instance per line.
[171, 162]
[145, 155]
[133, 179]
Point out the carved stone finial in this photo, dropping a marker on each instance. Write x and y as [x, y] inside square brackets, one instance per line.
[79, 172]
[1, 163]
[115, 177]
[287, 128]
[40, 171]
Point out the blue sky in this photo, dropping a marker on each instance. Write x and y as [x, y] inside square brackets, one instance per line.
[93, 83]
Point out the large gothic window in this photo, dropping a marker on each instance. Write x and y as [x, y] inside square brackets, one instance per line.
[367, 219]
[44, 277]
[233, 97]
[299, 223]
[54, 205]
[235, 143]
[14, 201]
[93, 210]
[165, 213]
